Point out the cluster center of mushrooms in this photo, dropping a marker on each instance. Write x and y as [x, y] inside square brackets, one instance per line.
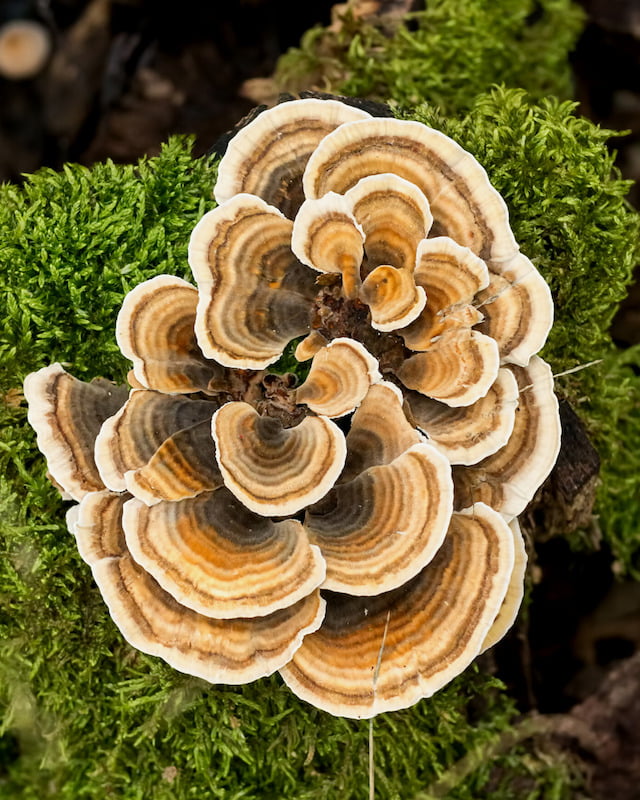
[238, 521]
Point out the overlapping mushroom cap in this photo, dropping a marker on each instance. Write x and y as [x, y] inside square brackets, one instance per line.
[355, 529]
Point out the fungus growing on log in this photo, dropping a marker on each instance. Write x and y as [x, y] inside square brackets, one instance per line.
[221, 506]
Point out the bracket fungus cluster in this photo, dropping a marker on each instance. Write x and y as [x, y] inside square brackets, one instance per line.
[356, 531]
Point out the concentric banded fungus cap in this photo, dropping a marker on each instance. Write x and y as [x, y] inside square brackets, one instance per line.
[468, 434]
[272, 470]
[428, 630]
[155, 330]
[371, 232]
[220, 651]
[458, 369]
[451, 276]
[379, 530]
[326, 237]
[267, 158]
[518, 310]
[183, 466]
[508, 479]
[394, 216]
[241, 259]
[380, 431]
[129, 439]
[221, 498]
[464, 205]
[66, 415]
[340, 377]
[218, 558]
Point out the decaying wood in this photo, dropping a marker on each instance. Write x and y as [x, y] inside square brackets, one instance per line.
[566, 500]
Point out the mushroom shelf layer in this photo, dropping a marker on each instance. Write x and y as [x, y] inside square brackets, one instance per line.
[356, 531]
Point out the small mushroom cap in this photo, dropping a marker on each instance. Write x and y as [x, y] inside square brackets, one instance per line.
[310, 345]
[339, 378]
[24, 48]
[327, 238]
[508, 479]
[384, 653]
[451, 276]
[183, 466]
[518, 310]
[155, 330]
[254, 294]
[380, 529]
[276, 471]
[379, 431]
[150, 619]
[216, 557]
[458, 369]
[129, 439]
[67, 415]
[515, 592]
[267, 157]
[468, 434]
[464, 204]
[394, 216]
[393, 297]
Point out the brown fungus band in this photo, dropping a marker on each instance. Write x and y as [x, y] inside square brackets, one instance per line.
[357, 530]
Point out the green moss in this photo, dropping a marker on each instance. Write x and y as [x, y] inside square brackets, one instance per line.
[446, 54]
[75, 242]
[611, 403]
[85, 716]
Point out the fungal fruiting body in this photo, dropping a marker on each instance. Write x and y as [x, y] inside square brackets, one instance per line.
[238, 521]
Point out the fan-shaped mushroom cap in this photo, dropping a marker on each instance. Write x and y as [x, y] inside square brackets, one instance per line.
[339, 378]
[129, 439]
[327, 238]
[310, 345]
[379, 431]
[272, 470]
[150, 619]
[468, 434]
[183, 466]
[394, 216]
[380, 529]
[67, 414]
[435, 626]
[267, 157]
[508, 479]
[97, 525]
[393, 297]
[458, 369]
[451, 276]
[515, 592]
[518, 310]
[155, 330]
[219, 651]
[218, 558]
[464, 204]
[254, 295]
